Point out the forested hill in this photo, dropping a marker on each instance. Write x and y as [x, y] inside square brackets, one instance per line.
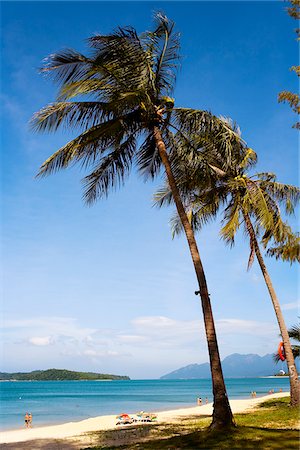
[61, 375]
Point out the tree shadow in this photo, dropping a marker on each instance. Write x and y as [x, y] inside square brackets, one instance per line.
[242, 437]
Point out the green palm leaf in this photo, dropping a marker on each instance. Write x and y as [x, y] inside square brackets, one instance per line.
[70, 115]
[288, 250]
[66, 66]
[111, 171]
[91, 145]
[148, 158]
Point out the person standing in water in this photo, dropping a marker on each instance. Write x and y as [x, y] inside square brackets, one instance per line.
[30, 420]
[27, 420]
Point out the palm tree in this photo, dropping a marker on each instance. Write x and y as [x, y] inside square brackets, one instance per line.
[251, 201]
[129, 117]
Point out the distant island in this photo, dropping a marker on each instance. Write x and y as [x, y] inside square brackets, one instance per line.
[58, 375]
[234, 366]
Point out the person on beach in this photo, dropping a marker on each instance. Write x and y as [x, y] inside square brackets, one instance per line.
[30, 420]
[206, 401]
[27, 420]
[199, 401]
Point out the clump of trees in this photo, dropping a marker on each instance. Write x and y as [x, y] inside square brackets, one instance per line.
[59, 375]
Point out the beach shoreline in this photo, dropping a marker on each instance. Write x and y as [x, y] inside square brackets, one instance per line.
[108, 422]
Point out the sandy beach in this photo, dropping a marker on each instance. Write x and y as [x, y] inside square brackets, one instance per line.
[73, 429]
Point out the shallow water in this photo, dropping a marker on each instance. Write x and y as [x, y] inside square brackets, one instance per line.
[54, 402]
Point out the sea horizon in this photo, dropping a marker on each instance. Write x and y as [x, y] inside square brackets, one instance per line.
[57, 402]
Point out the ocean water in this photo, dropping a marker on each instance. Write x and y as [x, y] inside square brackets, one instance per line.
[54, 402]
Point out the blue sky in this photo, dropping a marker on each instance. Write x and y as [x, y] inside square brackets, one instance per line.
[106, 288]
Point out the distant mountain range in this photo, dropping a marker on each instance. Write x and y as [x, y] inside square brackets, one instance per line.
[234, 366]
[58, 375]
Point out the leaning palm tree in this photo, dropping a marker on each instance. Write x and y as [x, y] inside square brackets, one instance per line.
[251, 201]
[127, 116]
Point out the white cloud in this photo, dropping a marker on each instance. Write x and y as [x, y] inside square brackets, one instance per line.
[288, 306]
[58, 326]
[153, 343]
[167, 332]
[41, 341]
[240, 326]
[131, 339]
[145, 331]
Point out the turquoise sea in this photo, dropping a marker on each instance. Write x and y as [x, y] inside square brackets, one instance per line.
[54, 402]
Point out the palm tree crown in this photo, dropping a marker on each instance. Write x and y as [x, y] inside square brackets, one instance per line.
[259, 196]
[124, 88]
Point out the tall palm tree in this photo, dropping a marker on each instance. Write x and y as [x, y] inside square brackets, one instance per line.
[251, 201]
[129, 117]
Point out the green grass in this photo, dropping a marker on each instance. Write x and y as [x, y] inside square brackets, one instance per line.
[273, 425]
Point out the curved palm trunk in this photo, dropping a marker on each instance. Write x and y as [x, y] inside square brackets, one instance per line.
[294, 381]
[222, 415]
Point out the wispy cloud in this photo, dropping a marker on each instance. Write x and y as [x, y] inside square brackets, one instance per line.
[41, 341]
[245, 327]
[288, 306]
[146, 330]
[145, 341]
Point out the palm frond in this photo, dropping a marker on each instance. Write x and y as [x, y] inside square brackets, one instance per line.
[249, 160]
[148, 158]
[176, 225]
[121, 59]
[163, 196]
[294, 332]
[85, 86]
[261, 205]
[66, 66]
[111, 171]
[283, 193]
[194, 220]
[210, 135]
[231, 220]
[165, 46]
[91, 144]
[70, 115]
[288, 250]
[265, 176]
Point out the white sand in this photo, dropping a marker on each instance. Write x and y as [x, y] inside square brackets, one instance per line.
[109, 422]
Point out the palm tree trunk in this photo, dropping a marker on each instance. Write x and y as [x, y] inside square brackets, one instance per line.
[294, 381]
[222, 415]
